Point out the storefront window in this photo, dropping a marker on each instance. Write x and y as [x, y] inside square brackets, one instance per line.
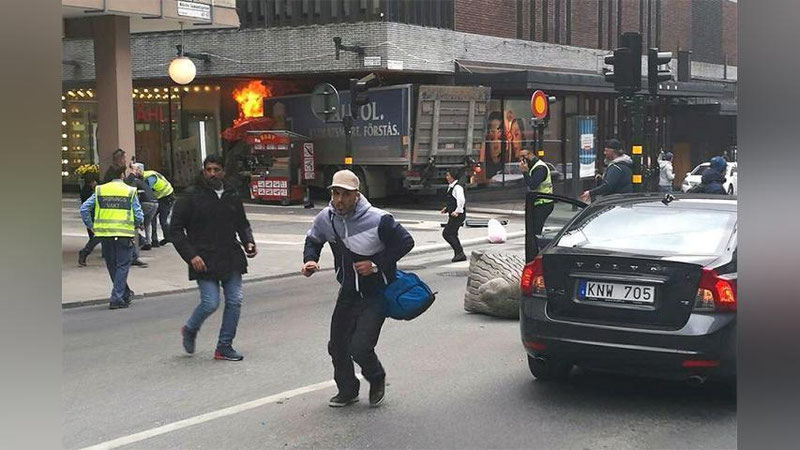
[174, 129]
[78, 132]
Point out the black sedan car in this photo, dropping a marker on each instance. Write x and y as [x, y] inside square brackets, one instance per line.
[642, 284]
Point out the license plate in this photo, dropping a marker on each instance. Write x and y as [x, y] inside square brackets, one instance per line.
[616, 292]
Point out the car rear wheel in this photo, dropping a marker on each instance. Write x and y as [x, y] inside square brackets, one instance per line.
[547, 369]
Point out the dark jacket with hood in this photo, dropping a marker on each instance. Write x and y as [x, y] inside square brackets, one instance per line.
[617, 178]
[368, 233]
[203, 224]
[711, 182]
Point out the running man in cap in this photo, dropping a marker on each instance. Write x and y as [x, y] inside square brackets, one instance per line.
[366, 244]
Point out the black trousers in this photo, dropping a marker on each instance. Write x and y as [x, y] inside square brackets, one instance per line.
[534, 222]
[355, 328]
[164, 208]
[450, 232]
[91, 244]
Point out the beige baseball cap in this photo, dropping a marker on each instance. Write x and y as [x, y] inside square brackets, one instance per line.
[345, 179]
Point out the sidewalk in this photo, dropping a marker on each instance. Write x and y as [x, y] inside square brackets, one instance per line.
[280, 250]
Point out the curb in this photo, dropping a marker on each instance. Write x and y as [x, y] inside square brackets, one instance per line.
[503, 212]
[416, 251]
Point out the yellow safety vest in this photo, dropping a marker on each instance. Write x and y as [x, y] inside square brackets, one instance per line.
[545, 187]
[162, 188]
[113, 210]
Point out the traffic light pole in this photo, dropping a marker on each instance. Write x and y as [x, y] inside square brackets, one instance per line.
[347, 122]
[637, 139]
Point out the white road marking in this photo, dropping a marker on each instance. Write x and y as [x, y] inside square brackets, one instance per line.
[202, 418]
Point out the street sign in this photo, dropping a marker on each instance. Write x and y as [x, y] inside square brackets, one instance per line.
[539, 105]
[325, 103]
[372, 61]
[194, 10]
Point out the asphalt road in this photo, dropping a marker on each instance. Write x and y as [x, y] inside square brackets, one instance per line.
[456, 380]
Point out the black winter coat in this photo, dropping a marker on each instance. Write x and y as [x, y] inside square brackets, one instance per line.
[205, 225]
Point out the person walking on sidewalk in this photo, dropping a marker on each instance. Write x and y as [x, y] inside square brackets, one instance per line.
[617, 178]
[166, 198]
[456, 215]
[113, 213]
[203, 229]
[90, 183]
[366, 243]
[148, 200]
[665, 174]
[537, 177]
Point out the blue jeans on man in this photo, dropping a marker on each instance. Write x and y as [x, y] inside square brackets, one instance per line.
[118, 254]
[209, 302]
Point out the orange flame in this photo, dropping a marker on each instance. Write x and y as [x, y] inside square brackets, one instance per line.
[250, 98]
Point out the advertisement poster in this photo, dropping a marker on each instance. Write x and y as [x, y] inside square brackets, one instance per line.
[587, 155]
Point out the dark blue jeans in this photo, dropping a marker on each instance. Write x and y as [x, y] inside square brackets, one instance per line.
[355, 328]
[118, 253]
[209, 302]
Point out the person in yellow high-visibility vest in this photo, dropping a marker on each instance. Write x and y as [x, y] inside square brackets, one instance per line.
[113, 213]
[166, 198]
[537, 178]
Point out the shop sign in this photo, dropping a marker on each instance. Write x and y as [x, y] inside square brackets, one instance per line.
[270, 187]
[308, 161]
[149, 113]
[194, 10]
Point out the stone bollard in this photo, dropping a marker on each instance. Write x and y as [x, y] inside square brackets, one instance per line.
[493, 284]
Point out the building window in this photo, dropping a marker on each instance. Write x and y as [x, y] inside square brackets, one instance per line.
[545, 16]
[519, 19]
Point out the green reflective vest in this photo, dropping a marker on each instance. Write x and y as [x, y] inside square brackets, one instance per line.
[162, 188]
[113, 210]
[545, 187]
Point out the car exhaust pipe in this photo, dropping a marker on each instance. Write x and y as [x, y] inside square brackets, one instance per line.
[696, 381]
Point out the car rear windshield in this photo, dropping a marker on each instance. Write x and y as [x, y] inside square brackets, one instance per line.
[700, 169]
[653, 229]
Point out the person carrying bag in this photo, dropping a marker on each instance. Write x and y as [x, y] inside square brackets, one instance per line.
[366, 243]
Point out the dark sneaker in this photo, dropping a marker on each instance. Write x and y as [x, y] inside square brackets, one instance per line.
[146, 247]
[163, 242]
[139, 263]
[189, 339]
[82, 255]
[228, 354]
[377, 390]
[459, 257]
[154, 244]
[118, 305]
[339, 400]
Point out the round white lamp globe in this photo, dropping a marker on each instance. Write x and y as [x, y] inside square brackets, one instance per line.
[182, 70]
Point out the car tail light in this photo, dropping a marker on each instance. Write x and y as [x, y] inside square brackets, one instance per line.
[532, 279]
[715, 292]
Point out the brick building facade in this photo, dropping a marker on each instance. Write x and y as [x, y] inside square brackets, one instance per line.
[514, 46]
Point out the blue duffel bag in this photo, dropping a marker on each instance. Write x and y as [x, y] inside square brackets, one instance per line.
[407, 297]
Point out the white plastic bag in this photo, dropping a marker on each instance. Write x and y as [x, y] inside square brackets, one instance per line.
[497, 232]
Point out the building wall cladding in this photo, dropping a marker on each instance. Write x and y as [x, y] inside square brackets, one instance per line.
[487, 17]
[730, 23]
[707, 31]
[310, 50]
[676, 25]
[584, 23]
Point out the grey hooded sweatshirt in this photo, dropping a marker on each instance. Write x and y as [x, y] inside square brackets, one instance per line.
[367, 233]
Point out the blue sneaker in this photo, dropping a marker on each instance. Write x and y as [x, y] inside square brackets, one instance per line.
[227, 353]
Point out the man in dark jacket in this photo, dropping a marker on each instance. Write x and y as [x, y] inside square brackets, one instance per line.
[366, 244]
[148, 200]
[713, 178]
[618, 174]
[204, 225]
[90, 182]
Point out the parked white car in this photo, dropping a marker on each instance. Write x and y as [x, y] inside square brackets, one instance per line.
[731, 185]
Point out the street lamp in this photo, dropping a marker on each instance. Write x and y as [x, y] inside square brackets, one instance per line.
[182, 70]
